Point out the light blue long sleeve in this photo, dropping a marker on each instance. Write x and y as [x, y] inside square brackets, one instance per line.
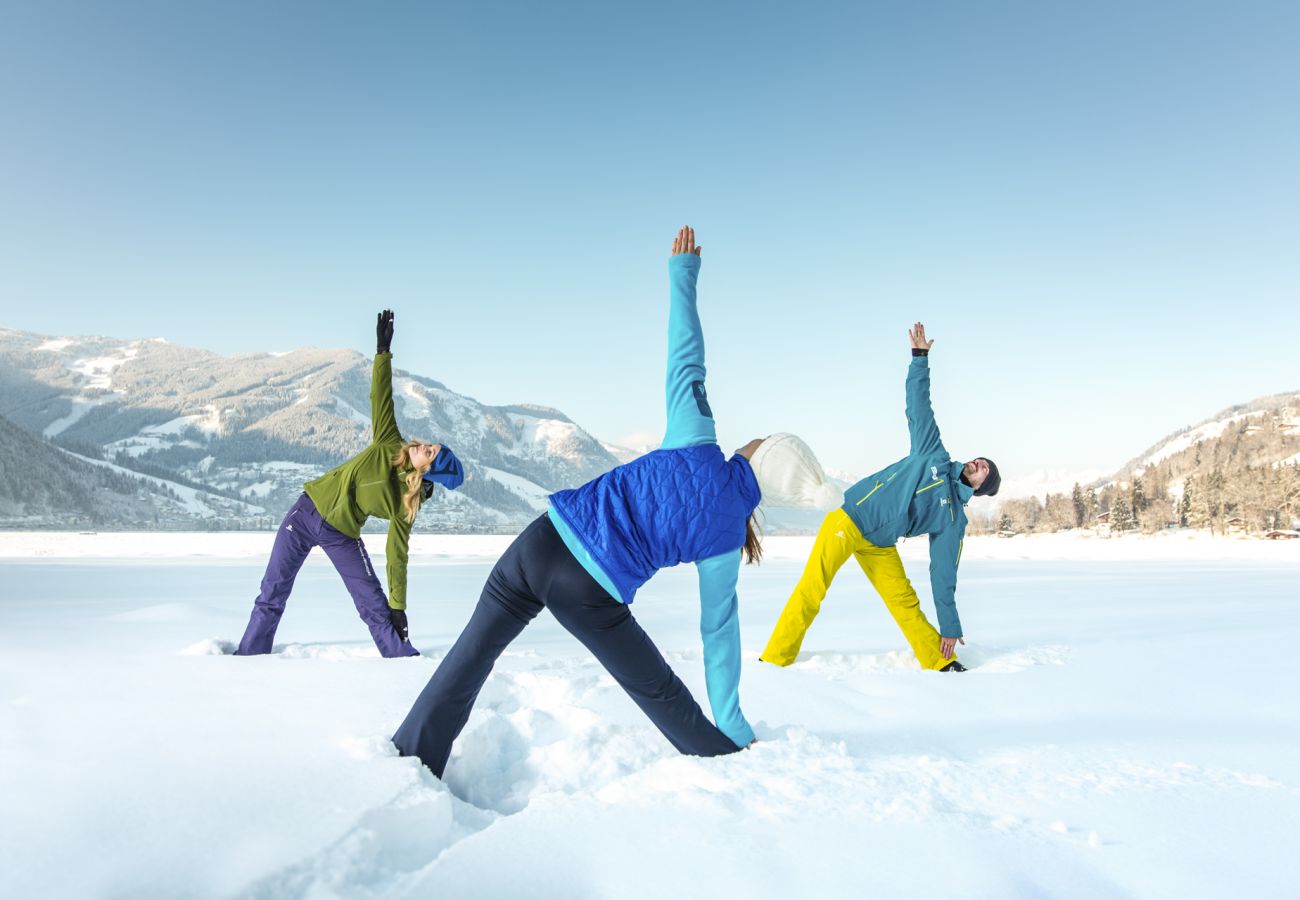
[720, 629]
[690, 420]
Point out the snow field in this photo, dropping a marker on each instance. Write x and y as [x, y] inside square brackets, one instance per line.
[1124, 732]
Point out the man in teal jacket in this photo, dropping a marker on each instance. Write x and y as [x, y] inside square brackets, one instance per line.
[924, 493]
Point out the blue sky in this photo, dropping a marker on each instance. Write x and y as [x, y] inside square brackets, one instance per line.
[1095, 208]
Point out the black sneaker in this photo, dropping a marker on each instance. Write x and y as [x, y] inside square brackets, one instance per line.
[953, 666]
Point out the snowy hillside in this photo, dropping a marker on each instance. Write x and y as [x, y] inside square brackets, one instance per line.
[1236, 472]
[42, 485]
[256, 426]
[1284, 409]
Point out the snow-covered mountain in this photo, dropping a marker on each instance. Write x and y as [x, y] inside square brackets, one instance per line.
[254, 427]
[1040, 482]
[44, 486]
[1236, 472]
[627, 454]
[1277, 412]
[1268, 428]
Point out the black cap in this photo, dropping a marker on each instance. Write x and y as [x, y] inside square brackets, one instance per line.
[992, 481]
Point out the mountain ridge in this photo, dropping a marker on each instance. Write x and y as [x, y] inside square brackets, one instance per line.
[257, 425]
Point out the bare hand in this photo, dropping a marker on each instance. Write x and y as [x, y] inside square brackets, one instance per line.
[685, 242]
[948, 645]
[917, 334]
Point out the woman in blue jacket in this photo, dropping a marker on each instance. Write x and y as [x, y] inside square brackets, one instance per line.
[585, 558]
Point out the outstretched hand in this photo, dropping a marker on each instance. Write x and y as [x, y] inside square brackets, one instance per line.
[384, 332]
[948, 645]
[917, 334]
[685, 242]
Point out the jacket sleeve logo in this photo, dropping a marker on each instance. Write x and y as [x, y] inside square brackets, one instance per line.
[701, 398]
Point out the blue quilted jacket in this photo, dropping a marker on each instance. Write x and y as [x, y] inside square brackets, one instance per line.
[672, 506]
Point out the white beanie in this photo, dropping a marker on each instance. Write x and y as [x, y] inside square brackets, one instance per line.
[789, 474]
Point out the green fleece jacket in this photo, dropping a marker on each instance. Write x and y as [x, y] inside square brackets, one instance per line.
[368, 485]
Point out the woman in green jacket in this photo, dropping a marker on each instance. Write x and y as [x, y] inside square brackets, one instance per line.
[386, 480]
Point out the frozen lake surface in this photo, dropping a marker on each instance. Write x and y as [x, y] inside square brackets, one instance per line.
[1128, 729]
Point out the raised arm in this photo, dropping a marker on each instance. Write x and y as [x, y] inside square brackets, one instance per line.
[920, 414]
[383, 420]
[720, 630]
[690, 420]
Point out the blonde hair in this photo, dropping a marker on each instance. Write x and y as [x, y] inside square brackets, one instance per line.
[411, 496]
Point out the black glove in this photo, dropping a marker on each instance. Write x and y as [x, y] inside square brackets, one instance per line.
[398, 618]
[384, 332]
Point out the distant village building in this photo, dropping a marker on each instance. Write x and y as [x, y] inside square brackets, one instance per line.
[1236, 525]
[1101, 524]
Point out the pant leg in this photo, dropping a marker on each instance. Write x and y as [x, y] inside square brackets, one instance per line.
[505, 607]
[353, 564]
[836, 540]
[607, 628]
[884, 568]
[293, 542]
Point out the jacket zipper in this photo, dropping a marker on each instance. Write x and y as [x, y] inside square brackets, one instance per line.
[928, 486]
[879, 485]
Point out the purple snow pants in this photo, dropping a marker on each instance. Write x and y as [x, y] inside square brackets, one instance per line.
[302, 529]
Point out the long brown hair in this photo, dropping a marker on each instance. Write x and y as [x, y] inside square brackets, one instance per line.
[411, 496]
[753, 548]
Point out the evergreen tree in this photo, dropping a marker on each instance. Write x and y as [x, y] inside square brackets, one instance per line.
[1005, 524]
[1185, 507]
[1121, 516]
[1080, 506]
[1213, 492]
[1138, 500]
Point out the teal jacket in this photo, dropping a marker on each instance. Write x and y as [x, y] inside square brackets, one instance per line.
[920, 494]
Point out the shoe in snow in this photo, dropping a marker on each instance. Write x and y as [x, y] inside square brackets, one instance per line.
[953, 666]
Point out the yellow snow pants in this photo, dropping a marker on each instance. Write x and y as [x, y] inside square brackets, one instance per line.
[837, 540]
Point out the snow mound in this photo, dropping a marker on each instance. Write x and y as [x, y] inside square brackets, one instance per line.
[387, 844]
[536, 734]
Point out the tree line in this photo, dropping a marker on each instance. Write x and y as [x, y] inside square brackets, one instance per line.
[1247, 478]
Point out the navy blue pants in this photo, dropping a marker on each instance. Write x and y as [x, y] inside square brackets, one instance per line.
[302, 529]
[539, 571]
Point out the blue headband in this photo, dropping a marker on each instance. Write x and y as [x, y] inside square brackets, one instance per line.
[446, 470]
